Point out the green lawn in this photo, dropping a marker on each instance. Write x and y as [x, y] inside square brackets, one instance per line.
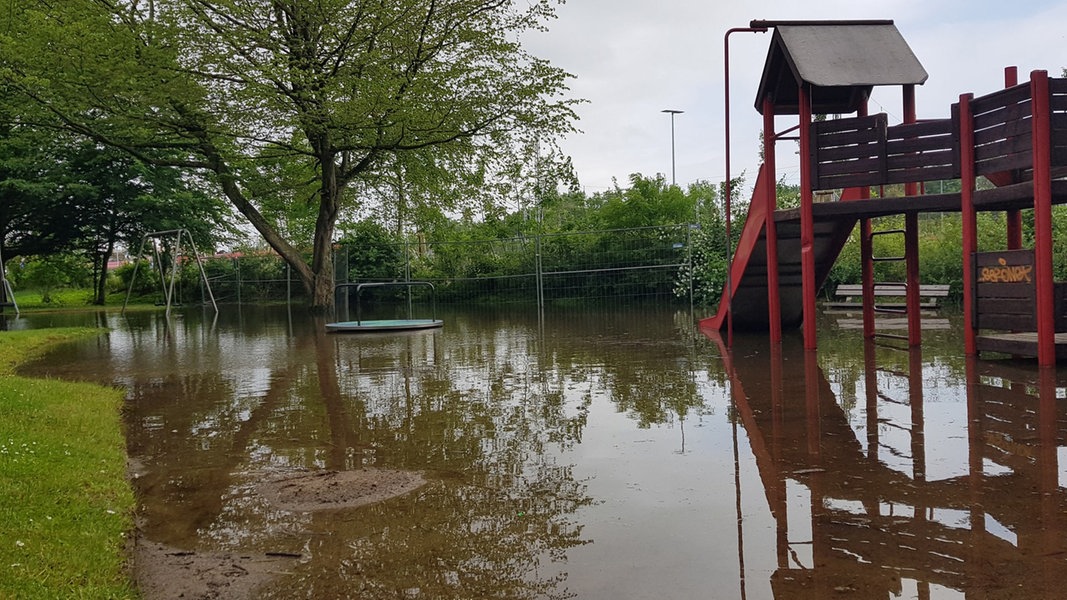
[65, 503]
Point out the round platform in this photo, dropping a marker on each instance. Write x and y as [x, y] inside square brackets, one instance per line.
[383, 325]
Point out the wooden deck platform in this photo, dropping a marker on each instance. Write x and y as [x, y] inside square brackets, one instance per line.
[1019, 344]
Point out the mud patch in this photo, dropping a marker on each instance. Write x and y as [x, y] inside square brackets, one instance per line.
[326, 490]
[165, 573]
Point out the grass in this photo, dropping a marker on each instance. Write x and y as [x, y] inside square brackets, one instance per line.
[65, 504]
[74, 299]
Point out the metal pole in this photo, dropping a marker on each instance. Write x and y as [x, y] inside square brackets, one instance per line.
[133, 276]
[728, 296]
[1042, 152]
[689, 257]
[911, 240]
[203, 273]
[969, 217]
[672, 112]
[807, 224]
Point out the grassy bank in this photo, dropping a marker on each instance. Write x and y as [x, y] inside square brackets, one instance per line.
[66, 504]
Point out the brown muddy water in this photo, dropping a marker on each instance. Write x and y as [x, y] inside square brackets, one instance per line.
[602, 454]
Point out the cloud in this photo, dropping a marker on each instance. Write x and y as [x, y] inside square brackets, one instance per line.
[634, 58]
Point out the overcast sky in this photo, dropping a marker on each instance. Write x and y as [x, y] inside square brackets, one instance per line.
[634, 58]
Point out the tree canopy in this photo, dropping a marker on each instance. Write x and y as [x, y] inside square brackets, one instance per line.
[295, 103]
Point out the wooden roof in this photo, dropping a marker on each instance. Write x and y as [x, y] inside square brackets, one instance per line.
[841, 61]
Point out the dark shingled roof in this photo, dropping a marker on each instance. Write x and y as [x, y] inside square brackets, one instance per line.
[841, 61]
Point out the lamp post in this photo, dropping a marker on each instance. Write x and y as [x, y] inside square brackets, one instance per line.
[672, 112]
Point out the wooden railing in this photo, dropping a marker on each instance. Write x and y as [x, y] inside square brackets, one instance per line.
[865, 151]
[1003, 132]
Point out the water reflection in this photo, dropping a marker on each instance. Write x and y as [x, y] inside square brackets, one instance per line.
[907, 481]
[614, 453]
[490, 409]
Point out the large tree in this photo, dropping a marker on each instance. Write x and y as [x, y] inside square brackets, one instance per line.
[341, 88]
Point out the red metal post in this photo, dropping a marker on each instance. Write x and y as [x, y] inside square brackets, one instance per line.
[969, 219]
[1013, 218]
[807, 224]
[866, 257]
[867, 274]
[774, 305]
[1042, 153]
[911, 241]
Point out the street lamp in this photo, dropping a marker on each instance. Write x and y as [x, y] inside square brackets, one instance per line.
[672, 112]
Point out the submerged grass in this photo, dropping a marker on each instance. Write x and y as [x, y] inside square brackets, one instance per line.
[65, 504]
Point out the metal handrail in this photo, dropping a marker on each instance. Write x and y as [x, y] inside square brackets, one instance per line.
[359, 290]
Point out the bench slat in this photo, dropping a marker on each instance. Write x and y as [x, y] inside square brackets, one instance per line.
[893, 289]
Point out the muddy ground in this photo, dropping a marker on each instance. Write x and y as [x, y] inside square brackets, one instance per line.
[165, 573]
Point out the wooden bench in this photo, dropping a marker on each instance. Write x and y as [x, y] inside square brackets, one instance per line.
[851, 295]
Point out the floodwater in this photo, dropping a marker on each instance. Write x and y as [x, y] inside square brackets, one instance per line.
[601, 454]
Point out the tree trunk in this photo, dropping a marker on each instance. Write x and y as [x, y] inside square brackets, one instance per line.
[322, 258]
[100, 295]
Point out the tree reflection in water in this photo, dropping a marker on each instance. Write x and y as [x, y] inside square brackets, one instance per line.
[553, 465]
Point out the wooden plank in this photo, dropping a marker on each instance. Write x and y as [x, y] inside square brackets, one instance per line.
[1005, 307]
[1001, 322]
[997, 294]
[1006, 162]
[1059, 155]
[1002, 131]
[1000, 99]
[921, 175]
[847, 167]
[1060, 294]
[892, 290]
[848, 181]
[1024, 256]
[1014, 114]
[923, 144]
[848, 124]
[1001, 147]
[1020, 344]
[932, 127]
[850, 138]
[875, 207]
[843, 153]
[936, 159]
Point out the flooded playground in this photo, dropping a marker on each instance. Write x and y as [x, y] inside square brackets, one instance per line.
[610, 453]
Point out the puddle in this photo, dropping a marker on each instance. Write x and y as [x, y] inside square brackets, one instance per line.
[596, 454]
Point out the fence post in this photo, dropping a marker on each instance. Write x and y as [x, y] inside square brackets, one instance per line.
[539, 273]
[237, 277]
[689, 259]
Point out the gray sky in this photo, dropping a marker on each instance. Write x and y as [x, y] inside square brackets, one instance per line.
[634, 58]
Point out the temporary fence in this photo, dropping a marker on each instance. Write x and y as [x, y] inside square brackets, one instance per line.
[630, 264]
[624, 264]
